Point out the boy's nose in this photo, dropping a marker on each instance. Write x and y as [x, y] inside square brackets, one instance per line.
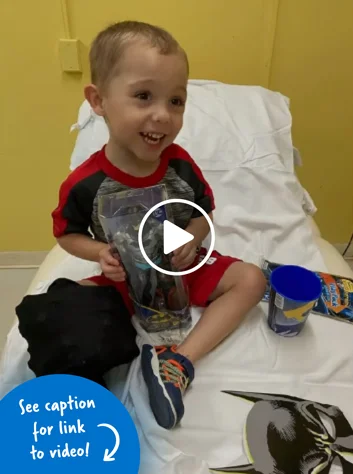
[161, 114]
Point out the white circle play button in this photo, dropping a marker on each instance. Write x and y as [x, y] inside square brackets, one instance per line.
[175, 237]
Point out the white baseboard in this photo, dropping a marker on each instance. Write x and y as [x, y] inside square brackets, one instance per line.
[342, 247]
[22, 259]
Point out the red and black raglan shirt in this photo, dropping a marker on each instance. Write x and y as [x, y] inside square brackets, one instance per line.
[77, 211]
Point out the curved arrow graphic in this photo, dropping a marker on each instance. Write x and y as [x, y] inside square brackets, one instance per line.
[107, 455]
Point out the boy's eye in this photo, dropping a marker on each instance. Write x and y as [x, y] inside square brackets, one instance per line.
[143, 95]
[178, 101]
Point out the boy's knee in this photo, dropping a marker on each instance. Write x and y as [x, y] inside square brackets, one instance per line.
[246, 276]
[253, 280]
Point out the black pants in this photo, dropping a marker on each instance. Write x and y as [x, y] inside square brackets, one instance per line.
[77, 330]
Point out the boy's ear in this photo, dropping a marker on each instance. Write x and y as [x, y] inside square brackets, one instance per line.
[95, 100]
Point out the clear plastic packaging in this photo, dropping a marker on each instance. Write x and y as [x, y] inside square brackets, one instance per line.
[161, 301]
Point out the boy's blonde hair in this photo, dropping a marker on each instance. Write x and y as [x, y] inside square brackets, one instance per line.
[109, 45]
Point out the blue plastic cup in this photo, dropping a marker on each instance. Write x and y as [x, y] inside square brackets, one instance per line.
[294, 292]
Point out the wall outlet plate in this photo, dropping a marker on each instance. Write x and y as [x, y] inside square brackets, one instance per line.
[69, 54]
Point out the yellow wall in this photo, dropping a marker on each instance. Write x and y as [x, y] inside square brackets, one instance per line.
[313, 65]
[38, 104]
[229, 41]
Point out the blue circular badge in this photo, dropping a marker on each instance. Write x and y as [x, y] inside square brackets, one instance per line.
[66, 424]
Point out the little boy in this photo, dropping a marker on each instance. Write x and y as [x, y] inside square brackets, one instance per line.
[139, 77]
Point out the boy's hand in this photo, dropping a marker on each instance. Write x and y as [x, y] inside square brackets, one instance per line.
[111, 267]
[184, 256]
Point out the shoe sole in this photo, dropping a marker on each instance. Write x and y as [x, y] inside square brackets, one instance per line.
[161, 404]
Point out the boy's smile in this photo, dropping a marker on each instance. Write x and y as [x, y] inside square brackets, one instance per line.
[152, 138]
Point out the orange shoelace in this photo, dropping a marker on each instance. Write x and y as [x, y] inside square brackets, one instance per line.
[171, 370]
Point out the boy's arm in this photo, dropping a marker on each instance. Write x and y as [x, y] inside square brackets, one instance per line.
[82, 246]
[198, 225]
[72, 216]
[199, 228]
[85, 247]
[71, 222]
[184, 256]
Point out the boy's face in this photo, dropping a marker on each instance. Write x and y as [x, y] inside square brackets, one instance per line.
[144, 104]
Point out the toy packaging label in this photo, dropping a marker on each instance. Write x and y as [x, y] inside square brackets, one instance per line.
[336, 300]
[161, 301]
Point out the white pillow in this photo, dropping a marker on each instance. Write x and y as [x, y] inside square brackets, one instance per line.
[227, 126]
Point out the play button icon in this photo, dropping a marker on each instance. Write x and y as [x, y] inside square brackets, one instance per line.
[174, 237]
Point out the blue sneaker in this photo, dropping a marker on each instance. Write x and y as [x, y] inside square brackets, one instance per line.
[167, 375]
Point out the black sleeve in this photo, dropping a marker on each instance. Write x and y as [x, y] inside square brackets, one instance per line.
[73, 214]
[189, 172]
